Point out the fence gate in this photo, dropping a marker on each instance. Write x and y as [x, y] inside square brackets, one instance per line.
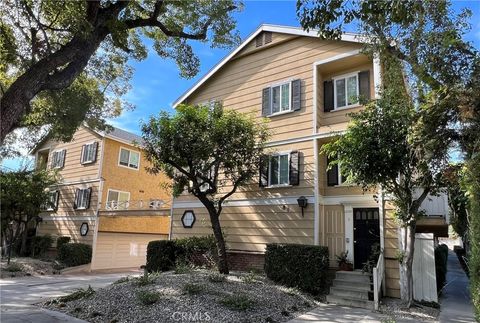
[424, 279]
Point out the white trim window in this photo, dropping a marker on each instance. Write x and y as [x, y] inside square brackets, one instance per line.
[82, 198]
[58, 158]
[279, 169]
[89, 153]
[117, 200]
[280, 98]
[52, 203]
[129, 158]
[346, 90]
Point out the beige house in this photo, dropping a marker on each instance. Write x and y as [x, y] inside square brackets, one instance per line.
[105, 196]
[307, 87]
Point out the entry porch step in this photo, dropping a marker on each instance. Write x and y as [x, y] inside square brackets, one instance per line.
[350, 302]
[351, 288]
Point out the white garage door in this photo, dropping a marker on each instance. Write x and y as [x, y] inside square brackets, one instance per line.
[122, 250]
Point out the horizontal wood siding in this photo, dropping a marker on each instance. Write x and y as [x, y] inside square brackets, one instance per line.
[392, 268]
[240, 82]
[250, 228]
[253, 191]
[338, 117]
[73, 170]
[67, 227]
[67, 200]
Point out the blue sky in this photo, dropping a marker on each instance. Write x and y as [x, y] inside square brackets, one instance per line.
[156, 83]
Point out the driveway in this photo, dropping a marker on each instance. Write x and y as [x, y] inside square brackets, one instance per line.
[18, 294]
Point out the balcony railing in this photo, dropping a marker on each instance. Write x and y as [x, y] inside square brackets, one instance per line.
[136, 205]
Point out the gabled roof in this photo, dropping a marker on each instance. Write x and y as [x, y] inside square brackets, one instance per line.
[350, 37]
[123, 135]
[116, 134]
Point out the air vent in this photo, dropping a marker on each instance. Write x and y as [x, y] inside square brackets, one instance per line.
[263, 39]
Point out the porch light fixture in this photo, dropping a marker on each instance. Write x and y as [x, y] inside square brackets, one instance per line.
[84, 229]
[188, 219]
[302, 202]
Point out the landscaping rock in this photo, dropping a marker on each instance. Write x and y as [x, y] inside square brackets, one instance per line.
[192, 296]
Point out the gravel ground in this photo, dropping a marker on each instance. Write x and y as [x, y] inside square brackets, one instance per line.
[190, 297]
[27, 267]
[395, 309]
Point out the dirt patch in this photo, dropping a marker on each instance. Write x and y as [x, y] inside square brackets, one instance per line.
[21, 267]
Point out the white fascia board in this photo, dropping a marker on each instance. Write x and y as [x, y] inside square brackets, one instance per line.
[350, 37]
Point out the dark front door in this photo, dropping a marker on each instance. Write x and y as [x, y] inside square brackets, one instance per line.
[366, 232]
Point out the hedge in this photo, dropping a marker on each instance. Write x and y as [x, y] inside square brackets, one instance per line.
[62, 240]
[40, 244]
[163, 255]
[295, 265]
[441, 259]
[75, 254]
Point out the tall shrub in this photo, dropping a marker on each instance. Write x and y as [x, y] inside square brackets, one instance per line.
[295, 265]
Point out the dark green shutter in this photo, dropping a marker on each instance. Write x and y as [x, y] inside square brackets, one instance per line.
[328, 96]
[296, 94]
[95, 148]
[263, 176]
[364, 85]
[77, 192]
[294, 176]
[266, 102]
[57, 197]
[332, 174]
[89, 195]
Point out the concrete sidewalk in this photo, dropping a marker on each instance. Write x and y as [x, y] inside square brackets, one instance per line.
[456, 305]
[343, 314]
[18, 294]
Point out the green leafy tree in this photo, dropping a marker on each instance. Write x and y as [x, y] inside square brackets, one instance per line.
[64, 62]
[458, 201]
[23, 194]
[380, 149]
[426, 68]
[207, 152]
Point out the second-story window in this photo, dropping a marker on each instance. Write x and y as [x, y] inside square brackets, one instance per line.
[58, 158]
[129, 158]
[89, 153]
[82, 198]
[346, 91]
[280, 169]
[283, 97]
[334, 175]
[117, 200]
[52, 202]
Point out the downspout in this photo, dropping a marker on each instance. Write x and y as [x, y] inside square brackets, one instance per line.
[316, 208]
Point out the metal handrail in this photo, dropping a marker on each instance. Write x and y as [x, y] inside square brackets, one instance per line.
[152, 204]
[378, 280]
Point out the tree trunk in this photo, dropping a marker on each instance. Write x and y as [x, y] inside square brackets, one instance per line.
[23, 247]
[221, 250]
[406, 265]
